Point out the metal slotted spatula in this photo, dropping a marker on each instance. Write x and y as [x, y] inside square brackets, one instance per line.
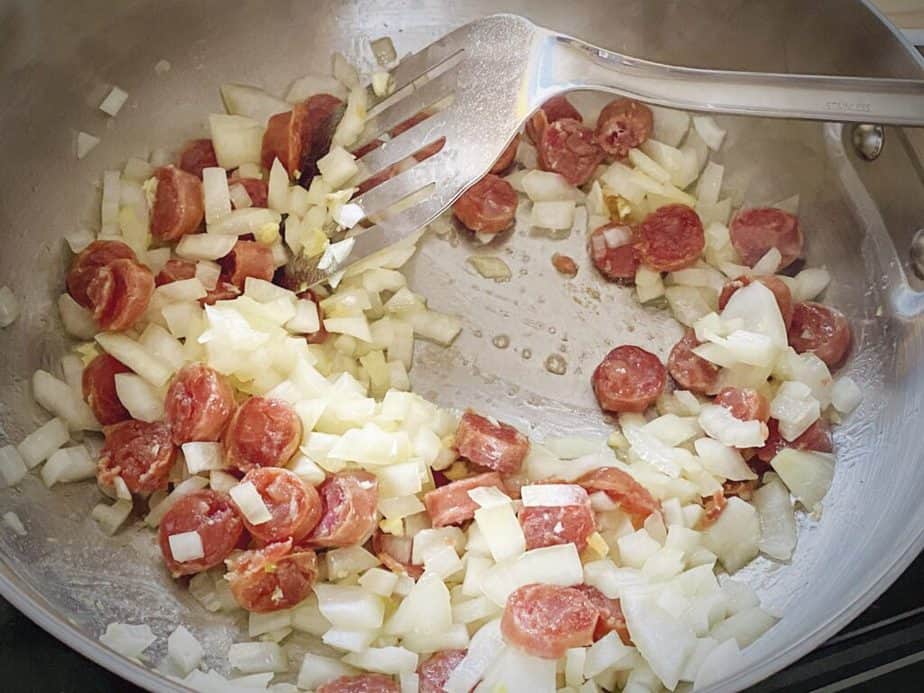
[481, 82]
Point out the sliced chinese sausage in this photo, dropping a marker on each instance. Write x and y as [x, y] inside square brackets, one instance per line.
[816, 438]
[742, 489]
[119, 294]
[349, 499]
[295, 507]
[175, 270]
[99, 390]
[745, 403]
[88, 262]
[273, 577]
[712, 509]
[569, 149]
[690, 371]
[609, 612]
[623, 124]
[572, 522]
[209, 514]
[780, 291]
[223, 291]
[612, 249]
[489, 206]
[247, 259]
[548, 620]
[755, 231]
[178, 204]
[197, 155]
[298, 138]
[263, 432]
[505, 160]
[451, 504]
[671, 238]
[435, 672]
[198, 404]
[629, 379]
[556, 108]
[257, 190]
[821, 330]
[395, 553]
[622, 489]
[139, 452]
[360, 683]
[491, 444]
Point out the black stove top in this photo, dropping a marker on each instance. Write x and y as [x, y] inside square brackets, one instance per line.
[882, 651]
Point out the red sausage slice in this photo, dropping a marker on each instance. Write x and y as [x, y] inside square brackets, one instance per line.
[609, 612]
[744, 403]
[816, 438]
[671, 238]
[489, 206]
[298, 138]
[780, 291]
[361, 683]
[547, 620]
[623, 124]
[505, 160]
[435, 672]
[178, 204]
[272, 578]
[690, 371]
[88, 262]
[262, 433]
[563, 524]
[496, 446]
[568, 148]
[349, 500]
[247, 259]
[257, 190]
[197, 155]
[139, 452]
[821, 330]
[295, 506]
[451, 504]
[755, 231]
[612, 249]
[223, 291]
[99, 389]
[214, 518]
[174, 271]
[119, 294]
[395, 553]
[556, 108]
[631, 496]
[628, 379]
[198, 404]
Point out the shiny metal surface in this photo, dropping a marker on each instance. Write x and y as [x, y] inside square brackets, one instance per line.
[868, 140]
[57, 61]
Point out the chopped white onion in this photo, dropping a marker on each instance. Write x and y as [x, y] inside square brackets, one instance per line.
[128, 640]
[719, 424]
[379, 581]
[133, 355]
[316, 670]
[722, 460]
[216, 195]
[203, 457]
[184, 488]
[485, 647]
[337, 167]
[426, 610]
[846, 395]
[734, 537]
[744, 627]
[237, 140]
[810, 282]
[86, 143]
[608, 653]
[670, 125]
[652, 628]
[251, 102]
[552, 215]
[777, 520]
[257, 657]
[687, 303]
[502, 530]
[186, 546]
[544, 186]
[795, 407]
[349, 607]
[12, 467]
[384, 660]
[768, 264]
[710, 183]
[250, 503]
[205, 246]
[39, 445]
[344, 72]
[807, 474]
[141, 400]
[242, 221]
[709, 130]
[240, 198]
[555, 565]
[113, 102]
[11, 520]
[9, 306]
[348, 560]
[184, 652]
[61, 400]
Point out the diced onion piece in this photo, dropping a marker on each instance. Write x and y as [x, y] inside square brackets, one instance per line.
[244, 221]
[12, 467]
[237, 140]
[352, 123]
[257, 657]
[777, 520]
[344, 72]
[186, 546]
[39, 445]
[184, 652]
[128, 640]
[757, 309]
[216, 194]
[650, 448]
[806, 474]
[648, 284]
[636, 548]
[251, 102]
[278, 188]
[670, 125]
[722, 659]
[846, 395]
[349, 640]
[427, 541]
[544, 186]
[443, 562]
[795, 408]
[379, 581]
[141, 400]
[208, 273]
[306, 470]
[514, 670]
[555, 565]
[86, 143]
[400, 507]
[133, 355]
[384, 51]
[425, 610]
[485, 647]
[735, 536]
[651, 628]
[810, 282]
[672, 429]
[317, 670]
[79, 239]
[184, 488]
[552, 215]
[11, 520]
[768, 264]
[114, 101]
[607, 653]
[337, 166]
[203, 457]
[710, 183]
[384, 660]
[719, 423]
[490, 267]
[61, 400]
[709, 130]
[221, 481]
[744, 627]
[722, 460]
[382, 83]
[348, 560]
[438, 327]
[205, 246]
[250, 503]
[648, 166]
[9, 306]
[502, 530]
[239, 196]
[687, 303]
[181, 290]
[350, 607]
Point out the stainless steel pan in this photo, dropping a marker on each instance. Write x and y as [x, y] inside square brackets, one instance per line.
[58, 59]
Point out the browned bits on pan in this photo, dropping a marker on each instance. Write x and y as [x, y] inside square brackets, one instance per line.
[565, 264]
